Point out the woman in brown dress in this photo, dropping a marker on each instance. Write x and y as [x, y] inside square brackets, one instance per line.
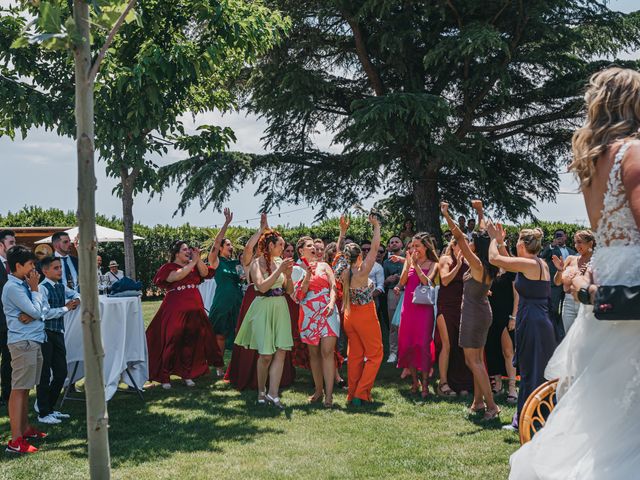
[455, 376]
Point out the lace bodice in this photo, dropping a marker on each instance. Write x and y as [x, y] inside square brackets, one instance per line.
[616, 260]
[617, 227]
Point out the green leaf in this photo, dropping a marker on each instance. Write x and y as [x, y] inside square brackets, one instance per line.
[20, 42]
[49, 17]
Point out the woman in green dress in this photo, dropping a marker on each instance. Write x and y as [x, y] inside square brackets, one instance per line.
[267, 324]
[227, 299]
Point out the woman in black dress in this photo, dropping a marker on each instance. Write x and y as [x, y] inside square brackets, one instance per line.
[499, 346]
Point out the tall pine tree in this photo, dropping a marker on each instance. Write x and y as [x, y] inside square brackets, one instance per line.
[428, 100]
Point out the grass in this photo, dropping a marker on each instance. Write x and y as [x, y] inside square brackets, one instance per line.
[213, 431]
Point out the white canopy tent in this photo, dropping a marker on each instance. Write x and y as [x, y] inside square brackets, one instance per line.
[103, 235]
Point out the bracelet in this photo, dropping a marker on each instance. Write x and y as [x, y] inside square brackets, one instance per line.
[511, 317]
[500, 245]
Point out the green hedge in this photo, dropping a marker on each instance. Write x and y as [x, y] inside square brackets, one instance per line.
[152, 252]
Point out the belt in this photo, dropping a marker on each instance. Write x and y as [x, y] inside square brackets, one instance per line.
[183, 287]
[274, 292]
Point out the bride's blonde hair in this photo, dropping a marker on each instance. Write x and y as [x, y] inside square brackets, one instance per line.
[613, 113]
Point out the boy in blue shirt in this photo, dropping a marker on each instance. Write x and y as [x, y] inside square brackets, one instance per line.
[23, 307]
[57, 300]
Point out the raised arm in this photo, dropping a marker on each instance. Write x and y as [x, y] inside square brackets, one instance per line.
[528, 266]
[471, 258]
[253, 241]
[479, 208]
[344, 227]
[370, 260]
[215, 248]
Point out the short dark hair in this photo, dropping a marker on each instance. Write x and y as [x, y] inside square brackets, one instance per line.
[57, 236]
[6, 233]
[559, 230]
[19, 254]
[46, 261]
[365, 242]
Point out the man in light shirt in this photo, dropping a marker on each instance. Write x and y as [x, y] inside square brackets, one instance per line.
[62, 246]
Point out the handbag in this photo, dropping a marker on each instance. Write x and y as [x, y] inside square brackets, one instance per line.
[617, 302]
[424, 295]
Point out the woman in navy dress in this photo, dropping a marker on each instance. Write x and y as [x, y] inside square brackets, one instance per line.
[535, 339]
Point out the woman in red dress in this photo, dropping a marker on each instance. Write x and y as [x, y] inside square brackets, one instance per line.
[180, 338]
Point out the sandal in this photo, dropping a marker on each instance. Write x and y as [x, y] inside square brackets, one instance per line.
[328, 404]
[512, 397]
[262, 400]
[477, 409]
[492, 381]
[315, 398]
[445, 390]
[275, 401]
[492, 414]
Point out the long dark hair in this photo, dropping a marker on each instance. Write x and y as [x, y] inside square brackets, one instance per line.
[425, 239]
[175, 248]
[481, 242]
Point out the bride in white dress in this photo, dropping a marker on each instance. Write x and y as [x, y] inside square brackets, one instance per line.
[594, 432]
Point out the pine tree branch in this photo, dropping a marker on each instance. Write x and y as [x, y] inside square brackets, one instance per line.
[568, 111]
[107, 44]
[363, 55]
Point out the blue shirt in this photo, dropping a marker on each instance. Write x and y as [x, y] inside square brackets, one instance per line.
[16, 300]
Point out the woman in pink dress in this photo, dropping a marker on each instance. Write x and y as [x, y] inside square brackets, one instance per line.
[319, 323]
[415, 335]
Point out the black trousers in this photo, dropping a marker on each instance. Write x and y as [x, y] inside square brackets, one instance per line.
[5, 367]
[54, 372]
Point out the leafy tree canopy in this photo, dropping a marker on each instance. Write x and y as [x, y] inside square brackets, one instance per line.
[427, 100]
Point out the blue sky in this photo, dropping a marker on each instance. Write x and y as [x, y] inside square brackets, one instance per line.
[49, 164]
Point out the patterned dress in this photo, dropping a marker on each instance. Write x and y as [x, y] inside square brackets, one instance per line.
[313, 323]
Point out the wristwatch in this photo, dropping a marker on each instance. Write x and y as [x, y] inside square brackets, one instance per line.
[584, 296]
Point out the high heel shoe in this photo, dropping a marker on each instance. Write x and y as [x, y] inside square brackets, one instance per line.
[315, 398]
[492, 414]
[262, 398]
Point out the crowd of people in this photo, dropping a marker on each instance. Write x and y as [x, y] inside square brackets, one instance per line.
[456, 321]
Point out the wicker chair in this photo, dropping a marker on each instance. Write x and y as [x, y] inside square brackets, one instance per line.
[536, 410]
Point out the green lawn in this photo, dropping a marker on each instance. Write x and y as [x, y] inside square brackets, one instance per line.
[213, 431]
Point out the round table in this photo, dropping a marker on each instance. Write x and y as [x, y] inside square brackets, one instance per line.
[123, 341]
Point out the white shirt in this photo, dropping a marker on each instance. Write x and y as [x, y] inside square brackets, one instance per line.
[377, 276]
[4, 262]
[72, 269]
[564, 251]
[114, 277]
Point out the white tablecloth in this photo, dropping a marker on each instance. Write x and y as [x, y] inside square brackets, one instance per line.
[207, 290]
[123, 340]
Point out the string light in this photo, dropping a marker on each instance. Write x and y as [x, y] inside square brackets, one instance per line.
[247, 220]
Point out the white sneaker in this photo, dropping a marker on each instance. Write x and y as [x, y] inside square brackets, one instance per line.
[35, 407]
[392, 358]
[509, 428]
[166, 386]
[189, 383]
[60, 415]
[49, 420]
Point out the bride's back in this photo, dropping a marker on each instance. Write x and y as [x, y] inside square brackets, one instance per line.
[607, 156]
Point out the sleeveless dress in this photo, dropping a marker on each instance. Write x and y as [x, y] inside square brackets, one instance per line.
[594, 431]
[242, 369]
[226, 301]
[535, 335]
[501, 301]
[459, 377]
[267, 324]
[475, 317]
[415, 335]
[313, 324]
[179, 337]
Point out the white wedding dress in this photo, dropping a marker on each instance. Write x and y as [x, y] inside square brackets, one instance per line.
[594, 432]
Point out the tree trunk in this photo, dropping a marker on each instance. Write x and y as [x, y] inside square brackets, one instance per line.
[97, 418]
[426, 201]
[128, 184]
